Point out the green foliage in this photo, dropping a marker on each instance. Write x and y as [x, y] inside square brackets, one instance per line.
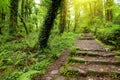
[110, 35]
[67, 72]
[27, 75]
[117, 53]
[73, 51]
[72, 60]
[18, 56]
[61, 43]
[41, 65]
[46, 3]
[115, 76]
[12, 75]
[4, 5]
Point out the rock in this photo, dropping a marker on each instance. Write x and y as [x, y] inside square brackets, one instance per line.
[78, 58]
[100, 78]
[90, 78]
[49, 78]
[86, 49]
[54, 72]
[60, 78]
[72, 79]
[118, 69]
[81, 71]
[107, 49]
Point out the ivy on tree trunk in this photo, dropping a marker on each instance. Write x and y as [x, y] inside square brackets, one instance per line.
[63, 13]
[13, 17]
[48, 23]
[109, 11]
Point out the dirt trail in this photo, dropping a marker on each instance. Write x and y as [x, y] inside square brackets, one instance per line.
[91, 61]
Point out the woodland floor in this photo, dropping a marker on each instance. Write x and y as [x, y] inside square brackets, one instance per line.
[91, 61]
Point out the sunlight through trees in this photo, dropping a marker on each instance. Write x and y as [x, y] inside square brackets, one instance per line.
[34, 33]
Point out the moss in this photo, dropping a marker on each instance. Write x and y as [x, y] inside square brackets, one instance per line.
[72, 51]
[92, 72]
[115, 76]
[67, 72]
[71, 60]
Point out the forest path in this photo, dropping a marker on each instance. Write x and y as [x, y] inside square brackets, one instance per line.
[90, 61]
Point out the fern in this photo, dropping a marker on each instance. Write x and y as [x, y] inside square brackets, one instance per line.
[27, 75]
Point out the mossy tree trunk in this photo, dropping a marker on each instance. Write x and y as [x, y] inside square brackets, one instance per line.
[2, 20]
[77, 15]
[22, 16]
[48, 23]
[63, 13]
[13, 17]
[109, 11]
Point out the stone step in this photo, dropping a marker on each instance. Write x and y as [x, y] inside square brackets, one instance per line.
[93, 53]
[90, 45]
[95, 60]
[87, 35]
[86, 78]
[87, 38]
[92, 70]
[93, 50]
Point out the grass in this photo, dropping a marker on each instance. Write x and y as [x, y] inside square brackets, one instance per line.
[18, 58]
[68, 73]
[73, 51]
[72, 60]
[115, 76]
[117, 54]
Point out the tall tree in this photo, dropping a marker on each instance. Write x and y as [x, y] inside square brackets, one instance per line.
[63, 14]
[4, 10]
[48, 23]
[77, 13]
[22, 16]
[108, 10]
[13, 17]
[2, 19]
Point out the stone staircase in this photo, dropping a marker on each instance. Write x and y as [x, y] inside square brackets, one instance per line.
[90, 61]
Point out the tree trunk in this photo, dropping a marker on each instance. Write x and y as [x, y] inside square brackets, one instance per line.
[13, 17]
[109, 12]
[22, 8]
[0, 30]
[2, 20]
[77, 14]
[22, 16]
[48, 23]
[24, 24]
[63, 16]
[75, 23]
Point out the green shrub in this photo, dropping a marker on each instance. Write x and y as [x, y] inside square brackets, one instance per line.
[110, 35]
[18, 58]
[41, 65]
[60, 43]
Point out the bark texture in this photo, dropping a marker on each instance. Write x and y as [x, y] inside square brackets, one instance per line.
[48, 24]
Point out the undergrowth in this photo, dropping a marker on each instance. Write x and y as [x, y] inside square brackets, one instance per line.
[110, 35]
[18, 60]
